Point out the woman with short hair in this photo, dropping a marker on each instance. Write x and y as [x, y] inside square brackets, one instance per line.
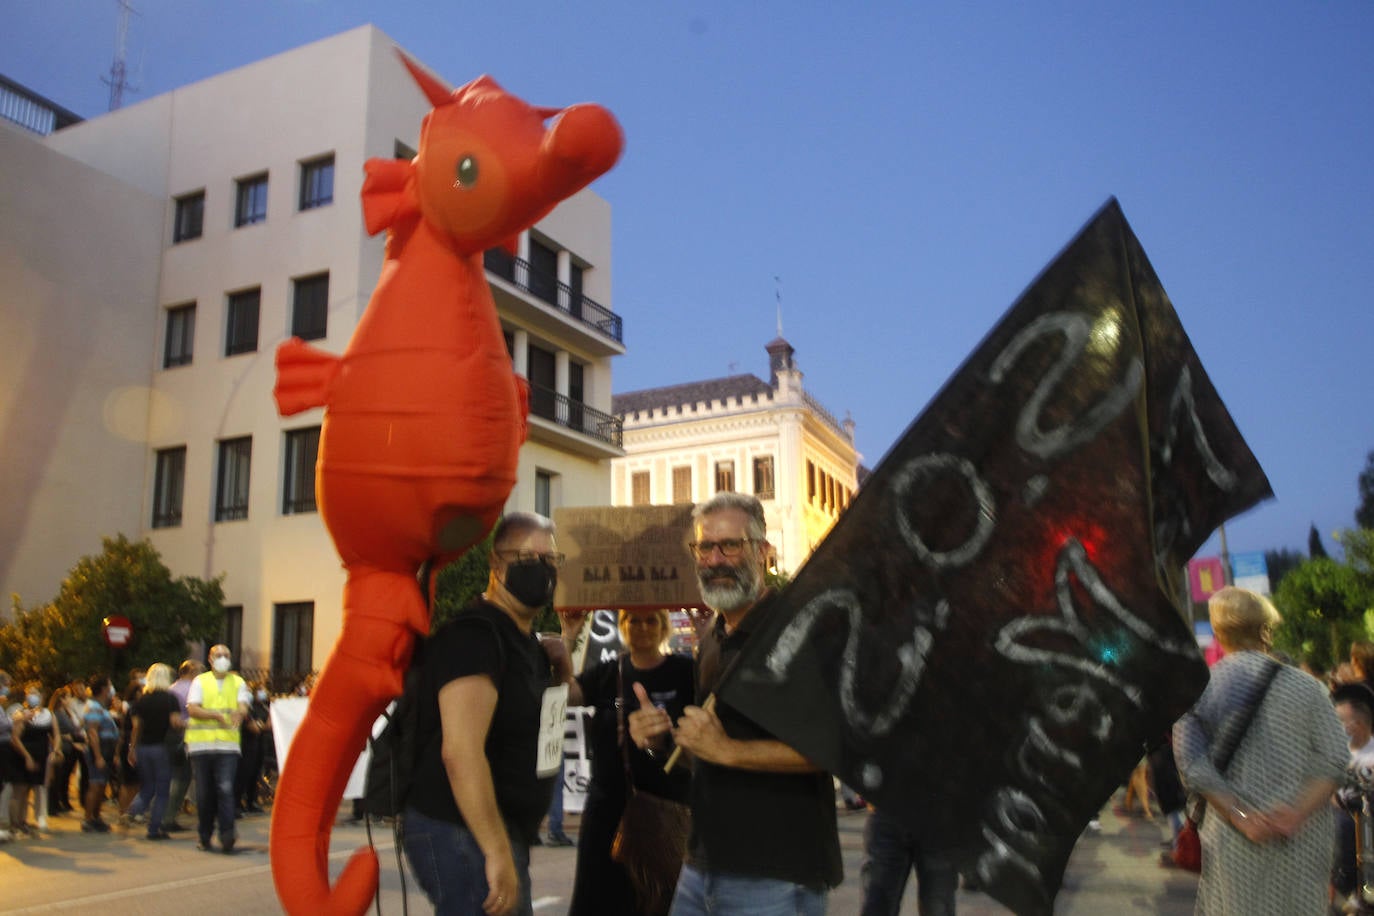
[1266, 837]
[600, 886]
[155, 712]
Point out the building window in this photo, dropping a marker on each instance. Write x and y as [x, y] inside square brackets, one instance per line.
[810, 481]
[682, 484]
[250, 200]
[181, 336]
[725, 476]
[639, 488]
[293, 635]
[231, 488]
[231, 635]
[168, 480]
[576, 391]
[317, 182]
[539, 365]
[190, 217]
[544, 272]
[310, 306]
[543, 493]
[575, 290]
[763, 477]
[241, 331]
[298, 484]
[500, 262]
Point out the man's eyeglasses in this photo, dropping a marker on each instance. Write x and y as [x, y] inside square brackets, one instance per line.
[526, 556]
[729, 547]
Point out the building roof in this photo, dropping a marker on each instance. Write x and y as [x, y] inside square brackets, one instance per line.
[731, 386]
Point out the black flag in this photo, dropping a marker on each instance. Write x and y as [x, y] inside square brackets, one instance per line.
[990, 636]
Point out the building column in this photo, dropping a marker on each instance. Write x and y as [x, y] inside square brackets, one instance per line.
[560, 372]
[789, 488]
[520, 359]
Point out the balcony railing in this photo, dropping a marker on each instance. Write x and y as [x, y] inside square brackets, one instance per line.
[563, 410]
[543, 286]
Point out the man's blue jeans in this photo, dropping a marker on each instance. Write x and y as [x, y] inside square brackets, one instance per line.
[215, 772]
[450, 868]
[890, 852]
[155, 776]
[702, 893]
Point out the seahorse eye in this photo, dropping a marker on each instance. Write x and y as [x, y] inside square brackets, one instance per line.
[466, 171]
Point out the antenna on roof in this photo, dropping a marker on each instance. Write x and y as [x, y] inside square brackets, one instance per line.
[777, 292]
[118, 78]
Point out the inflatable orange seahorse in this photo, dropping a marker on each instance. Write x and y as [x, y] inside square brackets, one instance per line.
[423, 422]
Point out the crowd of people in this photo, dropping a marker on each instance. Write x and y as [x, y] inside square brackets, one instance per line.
[1282, 758]
[85, 745]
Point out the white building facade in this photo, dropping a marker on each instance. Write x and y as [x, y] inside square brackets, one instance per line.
[685, 443]
[248, 230]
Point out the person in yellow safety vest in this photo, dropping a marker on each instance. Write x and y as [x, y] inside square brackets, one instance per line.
[217, 704]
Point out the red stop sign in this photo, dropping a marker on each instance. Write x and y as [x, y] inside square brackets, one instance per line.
[117, 631]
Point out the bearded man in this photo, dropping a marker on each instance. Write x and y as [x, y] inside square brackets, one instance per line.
[763, 837]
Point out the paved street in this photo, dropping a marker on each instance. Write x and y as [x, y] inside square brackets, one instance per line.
[1115, 871]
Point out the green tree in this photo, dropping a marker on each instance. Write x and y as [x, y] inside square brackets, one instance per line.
[1279, 563]
[461, 581]
[1323, 604]
[1364, 514]
[62, 640]
[1315, 549]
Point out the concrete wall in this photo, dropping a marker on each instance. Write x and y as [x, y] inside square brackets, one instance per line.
[78, 267]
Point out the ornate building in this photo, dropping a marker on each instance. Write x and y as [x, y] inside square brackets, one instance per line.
[685, 443]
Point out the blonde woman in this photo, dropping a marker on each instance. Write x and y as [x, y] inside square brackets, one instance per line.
[1266, 838]
[600, 887]
[155, 712]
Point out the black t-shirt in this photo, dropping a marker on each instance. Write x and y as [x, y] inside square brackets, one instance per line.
[483, 640]
[154, 710]
[760, 825]
[669, 685]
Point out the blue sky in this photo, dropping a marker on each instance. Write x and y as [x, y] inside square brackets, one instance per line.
[906, 168]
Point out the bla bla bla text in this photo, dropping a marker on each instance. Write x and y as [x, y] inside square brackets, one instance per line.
[630, 574]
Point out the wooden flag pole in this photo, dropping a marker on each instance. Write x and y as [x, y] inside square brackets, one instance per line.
[708, 705]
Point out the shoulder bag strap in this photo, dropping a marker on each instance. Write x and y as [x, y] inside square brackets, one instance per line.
[622, 729]
[1223, 759]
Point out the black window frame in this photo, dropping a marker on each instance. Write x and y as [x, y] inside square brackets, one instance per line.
[169, 486]
[543, 260]
[293, 636]
[250, 200]
[178, 346]
[231, 634]
[240, 324]
[188, 221]
[233, 478]
[301, 449]
[315, 175]
[310, 306]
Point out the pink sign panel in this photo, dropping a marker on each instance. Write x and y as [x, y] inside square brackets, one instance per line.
[1205, 577]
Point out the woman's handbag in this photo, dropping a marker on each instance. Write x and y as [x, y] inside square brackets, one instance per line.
[1187, 852]
[651, 841]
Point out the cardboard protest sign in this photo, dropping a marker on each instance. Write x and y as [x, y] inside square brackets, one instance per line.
[988, 639]
[626, 557]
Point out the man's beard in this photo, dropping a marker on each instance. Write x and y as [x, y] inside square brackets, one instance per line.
[740, 592]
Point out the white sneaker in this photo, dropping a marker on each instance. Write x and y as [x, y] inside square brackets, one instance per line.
[42, 822]
[5, 836]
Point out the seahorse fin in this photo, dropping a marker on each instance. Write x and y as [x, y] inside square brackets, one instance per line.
[388, 194]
